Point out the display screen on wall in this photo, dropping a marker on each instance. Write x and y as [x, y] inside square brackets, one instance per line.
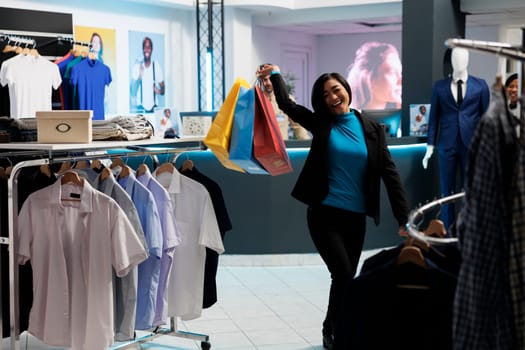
[374, 75]
[146, 67]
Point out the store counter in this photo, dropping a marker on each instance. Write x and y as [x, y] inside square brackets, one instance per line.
[267, 220]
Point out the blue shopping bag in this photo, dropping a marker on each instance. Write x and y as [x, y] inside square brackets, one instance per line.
[241, 142]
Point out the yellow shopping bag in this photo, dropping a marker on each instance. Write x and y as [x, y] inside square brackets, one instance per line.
[219, 135]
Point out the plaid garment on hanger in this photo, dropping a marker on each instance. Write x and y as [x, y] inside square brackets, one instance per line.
[483, 315]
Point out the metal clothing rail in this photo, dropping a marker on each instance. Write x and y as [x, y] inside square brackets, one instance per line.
[15, 39]
[38, 34]
[416, 217]
[130, 150]
[502, 49]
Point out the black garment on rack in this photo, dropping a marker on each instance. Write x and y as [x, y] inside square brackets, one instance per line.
[379, 314]
[29, 180]
[446, 257]
[223, 220]
[5, 104]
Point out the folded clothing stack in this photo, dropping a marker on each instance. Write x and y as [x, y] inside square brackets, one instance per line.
[131, 128]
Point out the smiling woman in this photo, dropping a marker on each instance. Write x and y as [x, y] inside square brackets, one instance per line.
[340, 180]
[375, 76]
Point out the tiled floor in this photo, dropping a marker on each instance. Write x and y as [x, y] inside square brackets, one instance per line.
[264, 302]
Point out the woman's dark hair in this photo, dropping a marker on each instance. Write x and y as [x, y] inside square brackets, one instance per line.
[318, 102]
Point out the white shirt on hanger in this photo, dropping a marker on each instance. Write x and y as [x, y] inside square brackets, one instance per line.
[74, 247]
[198, 229]
[31, 81]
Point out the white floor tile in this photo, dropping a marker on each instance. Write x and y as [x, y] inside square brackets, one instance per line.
[285, 335]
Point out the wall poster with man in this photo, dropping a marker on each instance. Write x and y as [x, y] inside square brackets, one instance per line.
[146, 67]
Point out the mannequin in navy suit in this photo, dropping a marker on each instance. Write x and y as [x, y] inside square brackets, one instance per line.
[451, 125]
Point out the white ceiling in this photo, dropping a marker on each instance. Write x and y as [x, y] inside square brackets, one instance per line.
[380, 17]
[322, 17]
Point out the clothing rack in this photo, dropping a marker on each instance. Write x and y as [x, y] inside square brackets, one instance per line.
[42, 40]
[60, 41]
[18, 40]
[418, 215]
[49, 153]
[502, 49]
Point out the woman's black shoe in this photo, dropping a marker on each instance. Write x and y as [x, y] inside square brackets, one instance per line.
[328, 342]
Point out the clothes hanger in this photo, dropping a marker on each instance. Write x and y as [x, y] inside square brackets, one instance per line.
[9, 168]
[187, 165]
[435, 228]
[96, 164]
[165, 167]
[25, 50]
[126, 170]
[411, 269]
[142, 169]
[411, 254]
[119, 168]
[82, 164]
[33, 51]
[105, 173]
[92, 56]
[8, 47]
[44, 169]
[65, 166]
[71, 177]
[117, 161]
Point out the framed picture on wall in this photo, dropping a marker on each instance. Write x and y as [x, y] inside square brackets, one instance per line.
[196, 123]
[165, 120]
[419, 119]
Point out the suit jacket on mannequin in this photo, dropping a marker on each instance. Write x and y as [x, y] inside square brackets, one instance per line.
[451, 125]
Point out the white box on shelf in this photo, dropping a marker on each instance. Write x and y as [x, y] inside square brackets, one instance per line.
[64, 126]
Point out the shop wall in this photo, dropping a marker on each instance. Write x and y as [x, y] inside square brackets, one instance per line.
[280, 47]
[483, 65]
[238, 46]
[176, 25]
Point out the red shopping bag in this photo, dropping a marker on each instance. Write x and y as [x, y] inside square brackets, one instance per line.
[268, 144]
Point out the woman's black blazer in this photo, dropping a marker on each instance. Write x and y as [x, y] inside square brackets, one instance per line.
[312, 184]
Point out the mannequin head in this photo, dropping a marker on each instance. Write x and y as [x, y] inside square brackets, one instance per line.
[459, 59]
